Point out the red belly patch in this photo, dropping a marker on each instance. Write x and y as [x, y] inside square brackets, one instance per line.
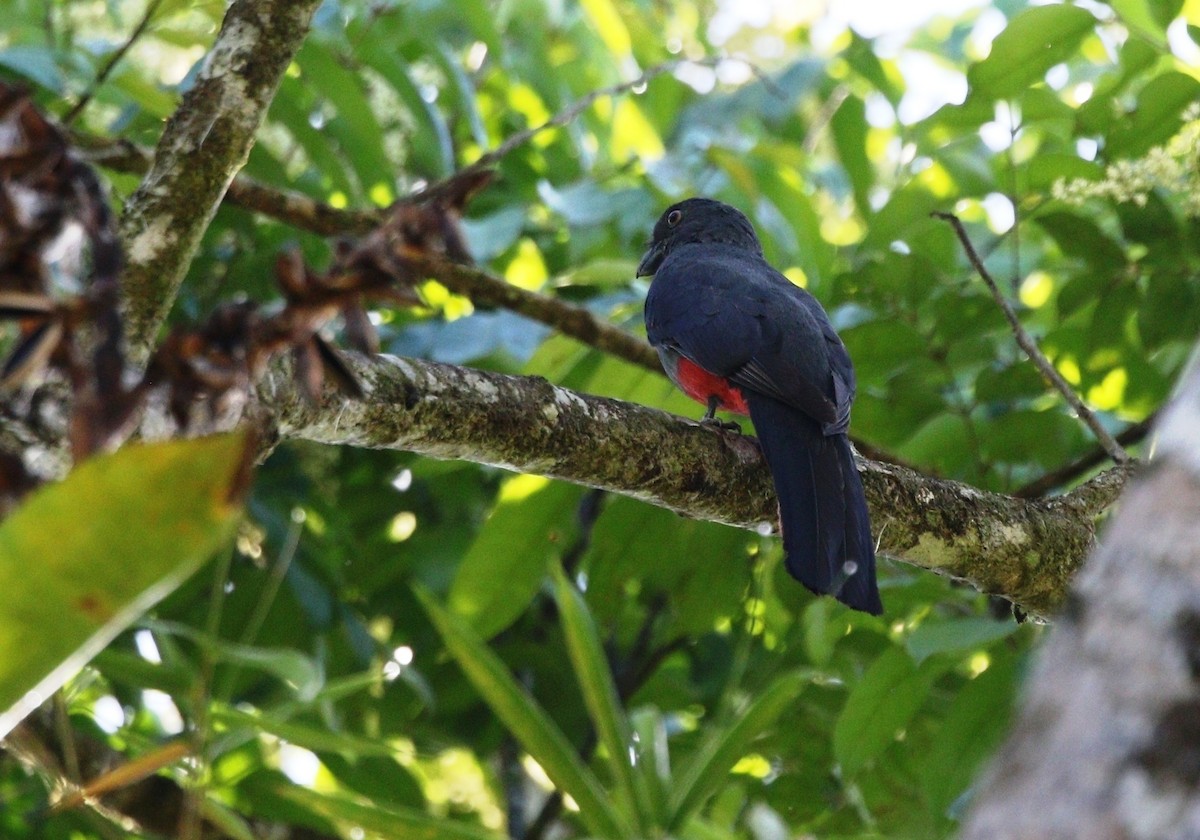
[701, 386]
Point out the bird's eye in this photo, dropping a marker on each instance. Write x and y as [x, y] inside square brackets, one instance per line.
[674, 217]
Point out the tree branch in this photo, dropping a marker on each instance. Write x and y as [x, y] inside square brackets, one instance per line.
[1107, 742]
[204, 143]
[1024, 550]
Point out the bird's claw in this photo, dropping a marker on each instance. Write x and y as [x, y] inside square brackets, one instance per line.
[720, 425]
[710, 421]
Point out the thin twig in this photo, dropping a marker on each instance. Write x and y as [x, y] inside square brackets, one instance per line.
[1026, 342]
[109, 65]
[66, 737]
[1067, 472]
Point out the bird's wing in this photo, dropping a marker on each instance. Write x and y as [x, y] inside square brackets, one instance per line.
[735, 316]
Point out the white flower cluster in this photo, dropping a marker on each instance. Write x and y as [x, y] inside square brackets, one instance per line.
[1174, 168]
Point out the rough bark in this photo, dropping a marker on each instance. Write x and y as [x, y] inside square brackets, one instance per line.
[1024, 550]
[204, 144]
[1107, 743]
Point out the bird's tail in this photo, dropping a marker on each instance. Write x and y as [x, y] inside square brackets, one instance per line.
[822, 509]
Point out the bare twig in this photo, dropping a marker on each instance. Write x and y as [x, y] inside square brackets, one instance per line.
[1070, 471]
[575, 321]
[1026, 342]
[109, 65]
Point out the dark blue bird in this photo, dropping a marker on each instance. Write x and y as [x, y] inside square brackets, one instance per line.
[733, 333]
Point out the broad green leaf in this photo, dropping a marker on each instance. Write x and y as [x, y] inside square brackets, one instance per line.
[288, 109]
[880, 704]
[600, 696]
[974, 724]
[527, 721]
[722, 748]
[359, 133]
[82, 559]
[849, 127]
[430, 142]
[954, 635]
[1033, 42]
[35, 63]
[604, 272]
[1150, 17]
[531, 523]
[391, 823]
[1157, 115]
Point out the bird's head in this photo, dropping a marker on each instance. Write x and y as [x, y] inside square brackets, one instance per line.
[697, 220]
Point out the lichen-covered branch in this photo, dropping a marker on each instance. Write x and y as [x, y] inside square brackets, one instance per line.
[1025, 550]
[203, 145]
[1107, 744]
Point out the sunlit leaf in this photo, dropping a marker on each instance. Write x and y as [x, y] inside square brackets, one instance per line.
[531, 523]
[82, 559]
[1033, 42]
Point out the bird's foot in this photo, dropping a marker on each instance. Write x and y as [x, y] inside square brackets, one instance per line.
[710, 420]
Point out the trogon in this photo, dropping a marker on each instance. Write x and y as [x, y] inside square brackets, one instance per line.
[735, 334]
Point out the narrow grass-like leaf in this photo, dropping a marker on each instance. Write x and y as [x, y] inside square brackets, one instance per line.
[391, 823]
[653, 761]
[81, 559]
[527, 721]
[710, 766]
[600, 696]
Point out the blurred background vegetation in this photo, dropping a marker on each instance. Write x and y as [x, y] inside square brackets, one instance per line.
[331, 669]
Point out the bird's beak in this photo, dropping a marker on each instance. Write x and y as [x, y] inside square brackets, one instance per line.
[652, 259]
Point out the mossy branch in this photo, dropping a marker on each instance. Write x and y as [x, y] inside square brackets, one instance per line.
[1025, 550]
[204, 144]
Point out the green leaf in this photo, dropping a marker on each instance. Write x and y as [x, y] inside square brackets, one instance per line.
[1149, 16]
[430, 142]
[35, 63]
[709, 767]
[527, 721]
[974, 724]
[1033, 42]
[392, 823]
[883, 701]
[1156, 117]
[653, 760]
[300, 672]
[600, 695]
[508, 560]
[358, 132]
[955, 635]
[849, 127]
[310, 737]
[140, 521]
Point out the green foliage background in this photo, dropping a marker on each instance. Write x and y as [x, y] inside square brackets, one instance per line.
[403, 620]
